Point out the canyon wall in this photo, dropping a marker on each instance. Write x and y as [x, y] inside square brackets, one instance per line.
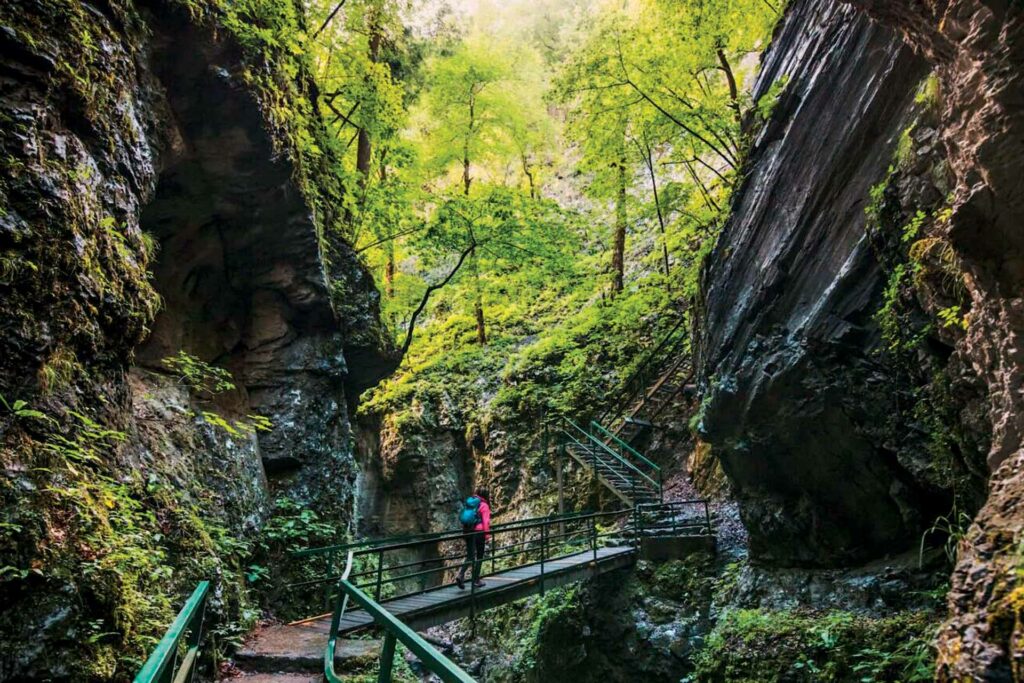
[800, 389]
[977, 48]
[150, 205]
[796, 397]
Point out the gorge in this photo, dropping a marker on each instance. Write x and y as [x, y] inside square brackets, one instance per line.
[774, 247]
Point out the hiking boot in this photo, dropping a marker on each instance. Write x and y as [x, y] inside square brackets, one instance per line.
[460, 581]
[479, 584]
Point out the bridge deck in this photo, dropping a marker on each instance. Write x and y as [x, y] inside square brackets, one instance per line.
[446, 603]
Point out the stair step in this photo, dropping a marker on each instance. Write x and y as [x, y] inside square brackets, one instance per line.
[278, 649]
[277, 678]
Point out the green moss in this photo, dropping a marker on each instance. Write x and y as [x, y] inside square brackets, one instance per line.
[123, 546]
[749, 646]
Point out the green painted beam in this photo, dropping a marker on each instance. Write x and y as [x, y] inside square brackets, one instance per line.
[159, 666]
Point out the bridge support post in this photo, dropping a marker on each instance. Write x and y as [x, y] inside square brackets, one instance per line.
[380, 576]
[387, 658]
[543, 552]
[559, 465]
[593, 537]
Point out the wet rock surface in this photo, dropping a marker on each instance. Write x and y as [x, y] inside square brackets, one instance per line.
[975, 46]
[792, 385]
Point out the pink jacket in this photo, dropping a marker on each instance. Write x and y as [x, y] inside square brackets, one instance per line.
[485, 519]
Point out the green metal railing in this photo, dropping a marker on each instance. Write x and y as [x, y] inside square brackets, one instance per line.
[646, 372]
[168, 663]
[394, 631]
[326, 562]
[601, 453]
[678, 518]
[625, 448]
[385, 572]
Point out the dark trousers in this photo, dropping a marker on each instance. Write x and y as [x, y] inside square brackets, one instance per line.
[476, 545]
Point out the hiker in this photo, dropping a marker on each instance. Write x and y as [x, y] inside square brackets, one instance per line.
[476, 525]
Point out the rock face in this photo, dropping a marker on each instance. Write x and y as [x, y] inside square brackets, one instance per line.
[145, 210]
[976, 46]
[793, 390]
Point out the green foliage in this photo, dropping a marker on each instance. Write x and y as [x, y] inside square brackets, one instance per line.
[770, 99]
[293, 526]
[198, 375]
[124, 545]
[750, 645]
[929, 94]
[20, 409]
[952, 528]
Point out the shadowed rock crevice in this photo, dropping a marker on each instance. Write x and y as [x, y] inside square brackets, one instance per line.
[242, 276]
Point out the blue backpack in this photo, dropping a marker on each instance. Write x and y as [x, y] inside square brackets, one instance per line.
[470, 515]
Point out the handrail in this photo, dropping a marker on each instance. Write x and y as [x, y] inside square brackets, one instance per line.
[625, 398]
[417, 538]
[554, 545]
[625, 445]
[163, 665]
[583, 445]
[434, 661]
[608, 450]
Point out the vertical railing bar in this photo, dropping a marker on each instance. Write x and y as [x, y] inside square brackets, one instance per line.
[387, 658]
[380, 574]
[195, 638]
[543, 552]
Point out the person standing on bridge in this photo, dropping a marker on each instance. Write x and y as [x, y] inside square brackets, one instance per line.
[476, 525]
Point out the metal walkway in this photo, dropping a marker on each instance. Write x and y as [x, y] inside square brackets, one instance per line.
[447, 603]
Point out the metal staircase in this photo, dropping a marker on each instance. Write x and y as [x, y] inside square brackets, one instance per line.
[664, 373]
[611, 446]
[624, 471]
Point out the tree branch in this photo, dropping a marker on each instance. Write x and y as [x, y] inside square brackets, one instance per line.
[388, 238]
[426, 297]
[329, 19]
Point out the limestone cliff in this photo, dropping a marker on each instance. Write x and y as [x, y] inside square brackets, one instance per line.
[976, 49]
[799, 403]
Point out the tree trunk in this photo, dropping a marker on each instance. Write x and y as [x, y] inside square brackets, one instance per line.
[730, 77]
[649, 158]
[389, 272]
[529, 175]
[619, 239]
[364, 151]
[478, 301]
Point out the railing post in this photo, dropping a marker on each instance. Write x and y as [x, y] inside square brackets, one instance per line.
[593, 537]
[331, 558]
[707, 517]
[387, 658]
[561, 486]
[380, 575]
[543, 552]
[661, 486]
[472, 602]
[195, 637]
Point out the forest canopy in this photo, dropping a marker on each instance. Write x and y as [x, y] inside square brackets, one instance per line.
[524, 169]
